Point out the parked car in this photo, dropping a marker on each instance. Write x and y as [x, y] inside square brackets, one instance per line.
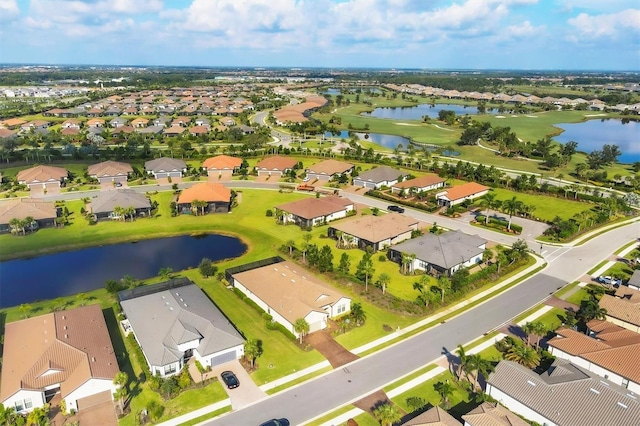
[276, 422]
[230, 379]
[609, 280]
[395, 209]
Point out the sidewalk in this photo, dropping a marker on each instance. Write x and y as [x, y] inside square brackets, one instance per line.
[369, 346]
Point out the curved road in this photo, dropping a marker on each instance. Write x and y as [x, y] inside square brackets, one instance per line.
[339, 387]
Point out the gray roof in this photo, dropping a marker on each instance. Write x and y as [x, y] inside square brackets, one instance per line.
[106, 201]
[567, 395]
[151, 129]
[380, 174]
[165, 164]
[634, 280]
[445, 250]
[164, 319]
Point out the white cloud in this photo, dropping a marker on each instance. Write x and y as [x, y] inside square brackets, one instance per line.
[606, 25]
[8, 10]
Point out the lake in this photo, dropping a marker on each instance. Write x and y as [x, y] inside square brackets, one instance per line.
[389, 141]
[419, 111]
[593, 134]
[67, 273]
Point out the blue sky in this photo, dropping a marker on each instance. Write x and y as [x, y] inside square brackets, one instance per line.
[469, 34]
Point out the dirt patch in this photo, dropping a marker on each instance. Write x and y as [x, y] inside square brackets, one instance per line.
[559, 303]
[323, 342]
[371, 401]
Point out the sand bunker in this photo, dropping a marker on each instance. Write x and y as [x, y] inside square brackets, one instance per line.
[405, 124]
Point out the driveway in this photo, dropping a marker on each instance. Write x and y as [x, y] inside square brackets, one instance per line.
[323, 342]
[245, 394]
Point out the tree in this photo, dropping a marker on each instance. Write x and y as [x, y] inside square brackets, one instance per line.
[512, 207]
[481, 366]
[357, 313]
[365, 269]
[199, 205]
[539, 329]
[305, 246]
[445, 390]
[121, 380]
[207, 268]
[501, 259]
[416, 403]
[291, 244]
[39, 416]
[426, 295]
[383, 280]
[528, 328]
[301, 326]
[25, 309]
[444, 284]
[487, 203]
[523, 355]
[463, 363]
[387, 413]
[252, 350]
[345, 264]
[325, 259]
[165, 273]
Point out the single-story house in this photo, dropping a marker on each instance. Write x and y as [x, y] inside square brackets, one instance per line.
[44, 213]
[110, 171]
[174, 321]
[7, 133]
[103, 206]
[139, 122]
[424, 183]
[165, 167]
[328, 169]
[309, 212]
[216, 195]
[12, 123]
[66, 352]
[222, 165]
[118, 122]
[443, 254]
[634, 280]
[434, 416]
[275, 166]
[44, 176]
[491, 413]
[95, 122]
[376, 232]
[287, 292]
[378, 177]
[564, 395]
[71, 123]
[461, 193]
[605, 352]
[623, 308]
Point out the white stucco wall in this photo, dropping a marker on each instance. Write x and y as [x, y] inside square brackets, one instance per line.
[88, 388]
[37, 399]
[517, 407]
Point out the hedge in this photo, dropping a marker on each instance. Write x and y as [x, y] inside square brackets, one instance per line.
[498, 224]
[419, 206]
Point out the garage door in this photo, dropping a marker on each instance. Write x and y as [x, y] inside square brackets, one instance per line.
[162, 175]
[316, 326]
[93, 400]
[221, 359]
[175, 174]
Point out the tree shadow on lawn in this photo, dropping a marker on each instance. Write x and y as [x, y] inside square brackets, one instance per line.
[124, 362]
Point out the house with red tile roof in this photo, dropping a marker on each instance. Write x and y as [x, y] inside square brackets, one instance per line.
[44, 176]
[328, 169]
[216, 195]
[221, 165]
[461, 193]
[309, 212]
[67, 352]
[275, 166]
[44, 213]
[110, 171]
[12, 123]
[375, 232]
[610, 351]
[425, 183]
[623, 308]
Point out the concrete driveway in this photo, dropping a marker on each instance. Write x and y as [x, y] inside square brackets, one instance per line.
[245, 394]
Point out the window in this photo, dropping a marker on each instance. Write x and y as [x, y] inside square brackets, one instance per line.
[19, 405]
[340, 309]
[28, 403]
[169, 369]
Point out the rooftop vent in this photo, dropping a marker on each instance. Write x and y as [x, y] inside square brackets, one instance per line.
[596, 391]
[531, 383]
[622, 405]
[170, 308]
[604, 383]
[65, 327]
[93, 359]
[185, 305]
[66, 336]
[632, 396]
[181, 299]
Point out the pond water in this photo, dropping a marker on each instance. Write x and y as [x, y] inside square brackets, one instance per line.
[71, 272]
[593, 134]
[419, 111]
[333, 91]
[389, 141]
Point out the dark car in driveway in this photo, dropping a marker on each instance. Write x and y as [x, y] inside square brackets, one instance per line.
[230, 379]
[397, 209]
[276, 422]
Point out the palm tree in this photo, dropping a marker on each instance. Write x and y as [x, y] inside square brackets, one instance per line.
[387, 414]
[165, 273]
[444, 284]
[487, 202]
[511, 206]
[463, 365]
[291, 244]
[252, 350]
[528, 329]
[384, 280]
[130, 211]
[301, 326]
[481, 366]
[120, 380]
[15, 225]
[445, 390]
[357, 313]
[199, 204]
[306, 237]
[523, 355]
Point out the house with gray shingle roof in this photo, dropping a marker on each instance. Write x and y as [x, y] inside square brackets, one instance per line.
[443, 254]
[378, 177]
[165, 167]
[174, 321]
[103, 206]
[564, 395]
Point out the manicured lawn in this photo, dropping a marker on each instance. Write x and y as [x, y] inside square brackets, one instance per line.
[546, 208]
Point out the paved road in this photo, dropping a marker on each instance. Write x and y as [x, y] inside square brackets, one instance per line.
[323, 394]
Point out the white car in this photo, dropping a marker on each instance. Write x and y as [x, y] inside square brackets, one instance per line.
[609, 280]
[306, 179]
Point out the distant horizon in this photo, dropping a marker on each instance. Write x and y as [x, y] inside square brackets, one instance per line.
[514, 35]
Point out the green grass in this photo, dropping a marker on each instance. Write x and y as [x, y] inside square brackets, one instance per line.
[546, 208]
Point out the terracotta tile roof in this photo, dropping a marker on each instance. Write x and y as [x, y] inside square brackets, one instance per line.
[199, 130]
[435, 416]
[42, 174]
[288, 289]
[222, 162]
[622, 309]
[276, 163]
[377, 228]
[205, 191]
[330, 167]
[174, 130]
[310, 208]
[6, 133]
[465, 190]
[69, 131]
[13, 122]
[20, 208]
[95, 122]
[492, 414]
[71, 346]
[420, 182]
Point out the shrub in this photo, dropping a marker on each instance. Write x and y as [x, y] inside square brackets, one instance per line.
[269, 213]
